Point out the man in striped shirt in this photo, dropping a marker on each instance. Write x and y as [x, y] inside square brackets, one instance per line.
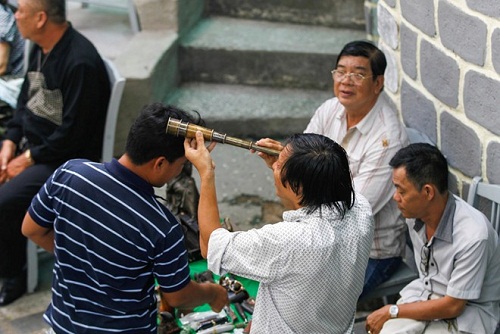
[112, 239]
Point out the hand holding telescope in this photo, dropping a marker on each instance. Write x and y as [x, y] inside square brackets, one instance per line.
[185, 129]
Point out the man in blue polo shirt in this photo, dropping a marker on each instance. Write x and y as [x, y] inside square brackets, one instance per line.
[112, 238]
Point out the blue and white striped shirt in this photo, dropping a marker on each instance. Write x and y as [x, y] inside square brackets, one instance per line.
[112, 239]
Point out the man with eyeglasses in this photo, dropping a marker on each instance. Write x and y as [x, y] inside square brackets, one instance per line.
[369, 130]
[458, 289]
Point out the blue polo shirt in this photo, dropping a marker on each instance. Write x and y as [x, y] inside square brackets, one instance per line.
[112, 239]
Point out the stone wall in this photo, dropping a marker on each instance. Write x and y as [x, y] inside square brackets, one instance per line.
[444, 76]
[150, 62]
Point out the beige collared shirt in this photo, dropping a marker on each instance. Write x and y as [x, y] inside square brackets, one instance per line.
[370, 145]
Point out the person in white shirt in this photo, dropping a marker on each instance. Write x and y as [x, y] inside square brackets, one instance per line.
[368, 128]
[310, 266]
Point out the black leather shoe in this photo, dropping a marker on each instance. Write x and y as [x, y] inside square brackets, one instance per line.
[12, 289]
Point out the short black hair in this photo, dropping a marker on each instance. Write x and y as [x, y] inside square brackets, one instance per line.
[318, 169]
[424, 164]
[368, 50]
[55, 10]
[148, 138]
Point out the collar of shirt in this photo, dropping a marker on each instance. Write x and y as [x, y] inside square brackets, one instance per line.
[294, 215]
[445, 227]
[301, 213]
[365, 125]
[128, 177]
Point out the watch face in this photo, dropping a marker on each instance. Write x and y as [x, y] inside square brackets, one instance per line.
[393, 310]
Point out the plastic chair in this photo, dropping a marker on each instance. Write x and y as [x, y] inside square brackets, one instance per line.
[489, 193]
[124, 4]
[117, 83]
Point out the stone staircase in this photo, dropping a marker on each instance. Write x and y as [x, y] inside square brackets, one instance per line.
[256, 68]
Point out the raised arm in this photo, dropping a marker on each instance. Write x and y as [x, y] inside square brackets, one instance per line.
[208, 211]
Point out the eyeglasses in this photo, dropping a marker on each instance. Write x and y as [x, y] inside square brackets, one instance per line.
[356, 78]
[425, 256]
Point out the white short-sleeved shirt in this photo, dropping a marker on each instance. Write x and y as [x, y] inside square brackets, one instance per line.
[464, 263]
[310, 267]
[370, 145]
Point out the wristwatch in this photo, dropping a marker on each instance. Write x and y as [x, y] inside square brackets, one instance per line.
[393, 311]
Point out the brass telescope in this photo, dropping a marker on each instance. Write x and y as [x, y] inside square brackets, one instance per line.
[178, 128]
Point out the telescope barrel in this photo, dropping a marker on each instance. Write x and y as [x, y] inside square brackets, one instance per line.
[185, 129]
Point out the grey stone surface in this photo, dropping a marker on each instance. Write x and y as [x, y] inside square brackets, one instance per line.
[150, 76]
[440, 73]
[495, 49]
[391, 75]
[25, 314]
[493, 162]
[391, 3]
[418, 111]
[371, 20]
[420, 14]
[333, 13]
[409, 51]
[249, 35]
[236, 51]
[461, 145]
[189, 13]
[108, 28]
[254, 112]
[486, 7]
[481, 100]
[388, 27]
[157, 14]
[461, 33]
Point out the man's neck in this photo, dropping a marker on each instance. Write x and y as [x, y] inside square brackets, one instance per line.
[356, 115]
[435, 213]
[51, 36]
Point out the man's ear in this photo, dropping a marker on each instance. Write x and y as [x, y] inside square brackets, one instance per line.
[41, 19]
[379, 84]
[159, 163]
[429, 191]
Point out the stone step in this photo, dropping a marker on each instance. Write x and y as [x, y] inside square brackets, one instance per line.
[249, 52]
[249, 111]
[332, 13]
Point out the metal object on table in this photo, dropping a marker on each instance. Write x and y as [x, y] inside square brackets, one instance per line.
[185, 129]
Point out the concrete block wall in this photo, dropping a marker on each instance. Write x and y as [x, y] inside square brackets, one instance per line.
[150, 63]
[444, 76]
